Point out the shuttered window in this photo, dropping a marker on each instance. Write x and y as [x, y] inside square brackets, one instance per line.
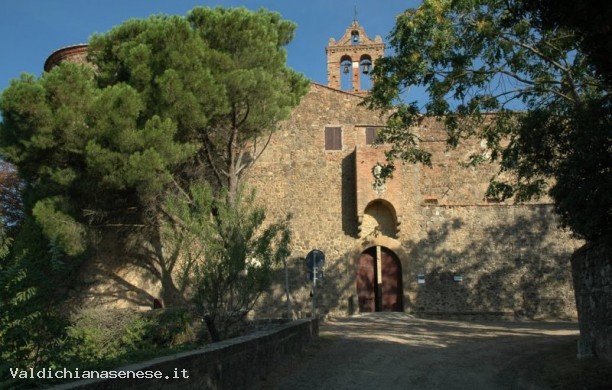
[370, 133]
[333, 138]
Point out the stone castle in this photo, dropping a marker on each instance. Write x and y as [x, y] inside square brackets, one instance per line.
[426, 241]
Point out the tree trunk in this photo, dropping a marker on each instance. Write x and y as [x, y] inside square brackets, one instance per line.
[212, 328]
[232, 190]
[592, 272]
[234, 160]
[170, 294]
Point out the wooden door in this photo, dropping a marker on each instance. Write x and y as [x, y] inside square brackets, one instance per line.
[366, 282]
[389, 296]
[391, 281]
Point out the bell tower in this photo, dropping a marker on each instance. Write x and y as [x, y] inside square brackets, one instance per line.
[350, 59]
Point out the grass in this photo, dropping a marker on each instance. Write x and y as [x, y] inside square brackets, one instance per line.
[326, 336]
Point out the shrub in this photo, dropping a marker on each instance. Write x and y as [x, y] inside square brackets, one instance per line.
[170, 327]
[106, 335]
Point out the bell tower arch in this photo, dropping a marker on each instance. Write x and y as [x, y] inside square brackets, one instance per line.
[350, 59]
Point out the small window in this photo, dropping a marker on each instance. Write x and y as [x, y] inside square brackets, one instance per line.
[333, 138]
[371, 133]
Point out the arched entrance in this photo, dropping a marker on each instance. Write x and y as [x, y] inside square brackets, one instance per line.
[379, 280]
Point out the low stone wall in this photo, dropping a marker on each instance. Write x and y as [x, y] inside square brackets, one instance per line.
[592, 273]
[240, 363]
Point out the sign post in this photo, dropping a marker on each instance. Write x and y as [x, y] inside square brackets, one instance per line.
[289, 310]
[314, 261]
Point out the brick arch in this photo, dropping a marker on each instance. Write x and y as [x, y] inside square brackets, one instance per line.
[379, 218]
[346, 57]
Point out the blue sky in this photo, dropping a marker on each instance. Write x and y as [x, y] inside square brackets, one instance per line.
[32, 29]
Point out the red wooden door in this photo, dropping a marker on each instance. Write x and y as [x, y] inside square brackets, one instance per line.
[391, 281]
[366, 284]
[390, 294]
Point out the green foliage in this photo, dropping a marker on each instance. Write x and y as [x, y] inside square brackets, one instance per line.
[170, 327]
[103, 338]
[589, 19]
[108, 337]
[31, 330]
[59, 227]
[158, 108]
[248, 58]
[229, 252]
[493, 56]
[104, 335]
[219, 74]
[165, 102]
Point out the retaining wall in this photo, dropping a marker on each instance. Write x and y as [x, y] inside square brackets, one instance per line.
[240, 363]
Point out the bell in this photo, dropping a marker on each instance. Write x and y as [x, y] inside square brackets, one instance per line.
[346, 69]
[366, 68]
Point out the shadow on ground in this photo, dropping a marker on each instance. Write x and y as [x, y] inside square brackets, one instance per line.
[398, 351]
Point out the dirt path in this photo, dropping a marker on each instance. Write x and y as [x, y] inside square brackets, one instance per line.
[396, 351]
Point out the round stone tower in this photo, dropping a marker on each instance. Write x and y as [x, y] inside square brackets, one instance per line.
[74, 53]
[350, 59]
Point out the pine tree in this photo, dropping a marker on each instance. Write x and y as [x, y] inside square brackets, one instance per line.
[163, 102]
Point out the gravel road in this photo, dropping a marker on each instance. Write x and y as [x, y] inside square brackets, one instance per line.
[397, 351]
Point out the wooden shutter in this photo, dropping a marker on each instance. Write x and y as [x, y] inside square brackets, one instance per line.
[333, 138]
[370, 135]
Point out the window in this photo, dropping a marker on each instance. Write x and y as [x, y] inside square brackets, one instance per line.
[371, 133]
[333, 138]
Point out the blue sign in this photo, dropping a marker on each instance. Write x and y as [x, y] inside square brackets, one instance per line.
[315, 258]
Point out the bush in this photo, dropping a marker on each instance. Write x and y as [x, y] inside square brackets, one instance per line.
[229, 250]
[171, 327]
[106, 335]
[100, 337]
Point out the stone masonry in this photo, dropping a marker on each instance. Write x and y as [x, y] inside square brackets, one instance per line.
[447, 250]
[350, 54]
[459, 254]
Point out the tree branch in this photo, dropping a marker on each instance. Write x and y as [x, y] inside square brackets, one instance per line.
[207, 146]
[257, 155]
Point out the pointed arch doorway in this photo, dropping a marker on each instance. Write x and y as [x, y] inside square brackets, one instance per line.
[379, 280]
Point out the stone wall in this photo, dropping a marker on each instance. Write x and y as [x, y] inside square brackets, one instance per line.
[474, 256]
[507, 258]
[471, 255]
[592, 271]
[490, 259]
[240, 363]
